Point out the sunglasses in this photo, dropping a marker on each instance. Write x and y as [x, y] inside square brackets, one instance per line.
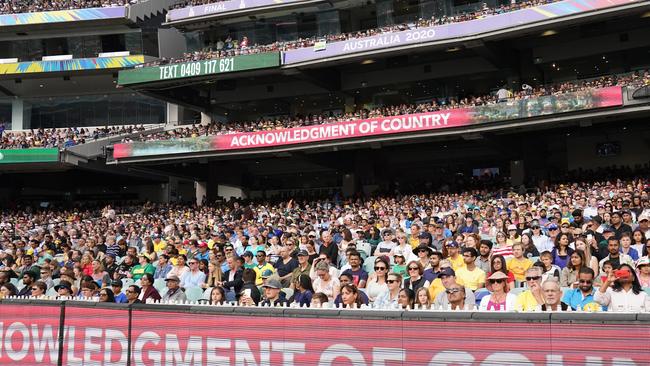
[535, 227]
[103, 294]
[128, 291]
[534, 278]
[452, 290]
[380, 268]
[586, 281]
[193, 263]
[391, 281]
[414, 269]
[34, 288]
[496, 281]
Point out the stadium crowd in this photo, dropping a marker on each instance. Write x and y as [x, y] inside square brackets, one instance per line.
[580, 246]
[60, 137]
[502, 95]
[35, 6]
[233, 47]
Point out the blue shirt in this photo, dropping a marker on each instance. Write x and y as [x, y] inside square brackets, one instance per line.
[121, 298]
[574, 298]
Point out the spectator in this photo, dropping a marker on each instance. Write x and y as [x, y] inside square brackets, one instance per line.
[553, 296]
[582, 297]
[63, 289]
[499, 298]
[415, 279]
[377, 281]
[319, 300]
[303, 291]
[518, 264]
[116, 286]
[28, 281]
[174, 292]
[532, 298]
[7, 290]
[448, 278]
[484, 250]
[390, 297]
[163, 267]
[406, 298]
[285, 266]
[615, 257]
[106, 295]
[250, 294]
[548, 268]
[217, 296]
[273, 296]
[351, 296]
[133, 294]
[569, 274]
[359, 275]
[469, 275]
[232, 283]
[39, 288]
[194, 277]
[324, 282]
[142, 267]
[147, 289]
[422, 299]
[498, 264]
[643, 271]
[622, 291]
[262, 265]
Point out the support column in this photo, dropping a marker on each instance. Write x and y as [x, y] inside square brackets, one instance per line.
[201, 192]
[174, 114]
[206, 119]
[18, 115]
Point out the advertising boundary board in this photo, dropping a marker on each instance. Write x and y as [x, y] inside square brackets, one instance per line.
[33, 155]
[87, 333]
[381, 126]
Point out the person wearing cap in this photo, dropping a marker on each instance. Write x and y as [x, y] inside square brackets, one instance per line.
[499, 299]
[202, 253]
[470, 275]
[453, 254]
[174, 292]
[304, 267]
[643, 271]
[120, 297]
[273, 295]
[64, 289]
[447, 278]
[142, 267]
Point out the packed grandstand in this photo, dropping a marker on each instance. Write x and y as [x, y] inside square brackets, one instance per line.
[579, 245]
[572, 240]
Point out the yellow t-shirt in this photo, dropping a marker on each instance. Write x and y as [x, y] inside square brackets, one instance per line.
[258, 271]
[457, 263]
[526, 302]
[160, 246]
[435, 288]
[518, 267]
[414, 241]
[471, 279]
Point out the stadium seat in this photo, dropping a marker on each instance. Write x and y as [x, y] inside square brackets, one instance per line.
[534, 259]
[14, 281]
[206, 294]
[52, 292]
[288, 292]
[126, 283]
[479, 294]
[369, 264]
[517, 290]
[56, 281]
[193, 293]
[160, 284]
[647, 290]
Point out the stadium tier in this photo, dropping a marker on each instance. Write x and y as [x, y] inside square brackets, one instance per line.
[308, 182]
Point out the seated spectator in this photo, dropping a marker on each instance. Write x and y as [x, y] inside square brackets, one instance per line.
[448, 278]
[250, 294]
[621, 291]
[147, 290]
[39, 288]
[133, 294]
[470, 275]
[377, 280]
[116, 286]
[415, 279]
[389, 299]
[106, 295]
[273, 295]
[63, 289]
[319, 300]
[643, 271]
[532, 298]
[406, 298]
[498, 264]
[303, 291]
[194, 277]
[217, 296]
[549, 270]
[456, 295]
[518, 264]
[553, 296]
[174, 292]
[499, 299]
[569, 274]
[422, 299]
[582, 297]
[351, 296]
[324, 282]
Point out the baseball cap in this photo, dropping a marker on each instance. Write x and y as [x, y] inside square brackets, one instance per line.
[446, 272]
[173, 278]
[512, 227]
[303, 253]
[203, 245]
[117, 283]
[552, 227]
[247, 254]
[267, 273]
[273, 283]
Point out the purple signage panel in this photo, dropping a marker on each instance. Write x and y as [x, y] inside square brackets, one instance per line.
[449, 31]
[222, 7]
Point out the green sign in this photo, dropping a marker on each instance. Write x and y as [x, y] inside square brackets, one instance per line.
[13, 156]
[199, 68]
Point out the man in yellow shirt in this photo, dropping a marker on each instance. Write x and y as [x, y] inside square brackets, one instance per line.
[470, 276]
[532, 298]
[455, 258]
[158, 244]
[518, 265]
[262, 265]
